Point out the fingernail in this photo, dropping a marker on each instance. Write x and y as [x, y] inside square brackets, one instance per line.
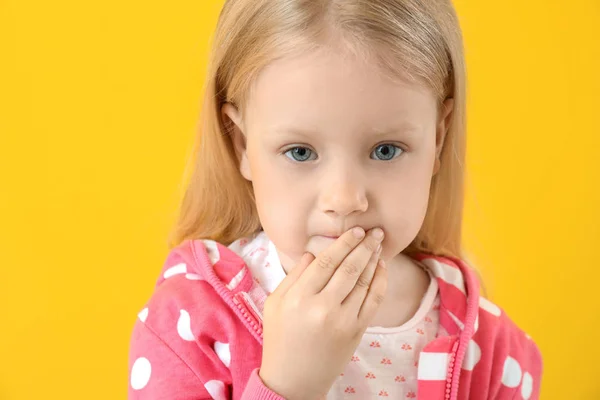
[358, 232]
[377, 233]
[382, 264]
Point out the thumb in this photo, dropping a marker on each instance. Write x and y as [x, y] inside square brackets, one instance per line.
[292, 277]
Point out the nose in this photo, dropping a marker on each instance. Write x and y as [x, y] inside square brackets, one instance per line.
[343, 194]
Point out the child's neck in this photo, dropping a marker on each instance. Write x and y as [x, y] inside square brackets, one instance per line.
[407, 284]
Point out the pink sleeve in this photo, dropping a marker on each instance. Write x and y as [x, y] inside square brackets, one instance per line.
[532, 369]
[256, 389]
[518, 366]
[157, 372]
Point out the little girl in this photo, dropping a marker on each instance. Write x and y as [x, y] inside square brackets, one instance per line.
[317, 254]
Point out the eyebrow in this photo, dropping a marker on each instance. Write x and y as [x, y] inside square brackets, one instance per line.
[405, 127]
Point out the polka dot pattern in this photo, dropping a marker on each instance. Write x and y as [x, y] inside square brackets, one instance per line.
[447, 273]
[457, 321]
[472, 357]
[432, 366]
[184, 326]
[527, 386]
[143, 314]
[223, 352]
[489, 306]
[236, 280]
[511, 375]
[140, 373]
[175, 270]
[212, 250]
[216, 389]
[193, 277]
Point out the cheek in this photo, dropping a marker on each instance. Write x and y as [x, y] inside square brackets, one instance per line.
[275, 191]
[403, 211]
[281, 202]
[277, 185]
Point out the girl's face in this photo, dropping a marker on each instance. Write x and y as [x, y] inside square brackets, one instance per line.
[329, 143]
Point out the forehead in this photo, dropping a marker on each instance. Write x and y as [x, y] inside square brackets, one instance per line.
[329, 90]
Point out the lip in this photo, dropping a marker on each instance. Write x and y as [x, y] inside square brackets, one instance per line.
[330, 235]
[335, 235]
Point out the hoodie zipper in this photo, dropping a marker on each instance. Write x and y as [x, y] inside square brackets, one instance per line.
[450, 373]
[248, 313]
[239, 300]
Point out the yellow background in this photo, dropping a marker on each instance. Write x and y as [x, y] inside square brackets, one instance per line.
[98, 105]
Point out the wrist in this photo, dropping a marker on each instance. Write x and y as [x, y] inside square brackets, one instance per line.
[283, 389]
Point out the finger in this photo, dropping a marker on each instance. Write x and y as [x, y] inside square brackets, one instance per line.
[325, 264]
[345, 277]
[294, 274]
[357, 295]
[322, 268]
[375, 295]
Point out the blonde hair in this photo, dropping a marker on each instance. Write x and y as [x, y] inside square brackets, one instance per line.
[417, 39]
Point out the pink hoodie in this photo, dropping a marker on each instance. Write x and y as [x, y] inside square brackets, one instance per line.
[200, 335]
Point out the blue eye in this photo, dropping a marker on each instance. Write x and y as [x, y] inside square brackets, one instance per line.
[386, 152]
[299, 154]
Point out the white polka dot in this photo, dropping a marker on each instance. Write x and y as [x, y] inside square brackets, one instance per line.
[447, 273]
[511, 376]
[527, 386]
[140, 373]
[212, 250]
[216, 389]
[193, 277]
[472, 357]
[236, 279]
[457, 321]
[175, 270]
[222, 350]
[432, 366]
[489, 306]
[143, 314]
[184, 326]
